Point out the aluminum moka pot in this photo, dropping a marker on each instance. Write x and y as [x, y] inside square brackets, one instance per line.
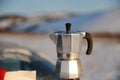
[68, 44]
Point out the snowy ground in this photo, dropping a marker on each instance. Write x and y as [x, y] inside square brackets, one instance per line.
[102, 64]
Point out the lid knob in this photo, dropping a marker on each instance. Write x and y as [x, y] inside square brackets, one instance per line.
[68, 27]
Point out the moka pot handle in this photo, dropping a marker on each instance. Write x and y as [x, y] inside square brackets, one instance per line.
[88, 37]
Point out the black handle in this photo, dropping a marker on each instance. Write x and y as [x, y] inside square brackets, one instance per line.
[90, 43]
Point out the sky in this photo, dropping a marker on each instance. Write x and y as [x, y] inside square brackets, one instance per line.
[54, 6]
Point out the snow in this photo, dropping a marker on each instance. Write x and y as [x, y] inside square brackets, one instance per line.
[109, 22]
[103, 63]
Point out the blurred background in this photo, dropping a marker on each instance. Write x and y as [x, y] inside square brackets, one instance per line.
[25, 26]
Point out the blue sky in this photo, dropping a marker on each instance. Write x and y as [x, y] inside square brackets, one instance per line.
[53, 6]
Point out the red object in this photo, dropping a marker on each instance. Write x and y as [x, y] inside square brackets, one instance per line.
[2, 73]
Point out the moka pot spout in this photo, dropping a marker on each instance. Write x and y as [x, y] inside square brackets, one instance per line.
[54, 37]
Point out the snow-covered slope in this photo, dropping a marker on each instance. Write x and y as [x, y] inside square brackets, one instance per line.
[51, 26]
[109, 22]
